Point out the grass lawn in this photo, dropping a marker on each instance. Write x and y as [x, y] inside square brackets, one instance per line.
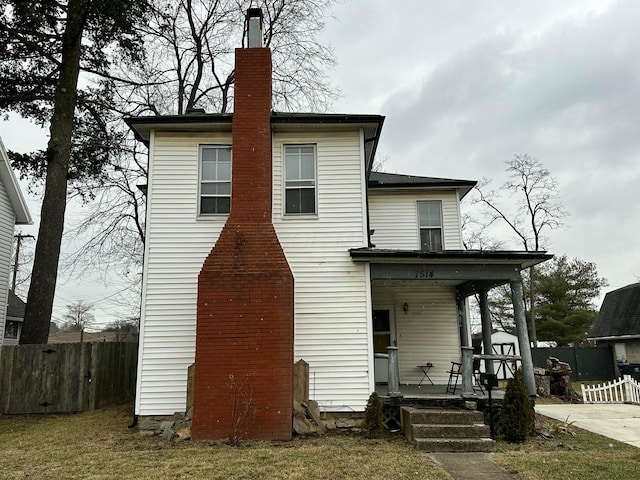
[572, 453]
[98, 445]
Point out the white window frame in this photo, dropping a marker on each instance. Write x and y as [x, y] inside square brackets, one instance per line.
[430, 227]
[311, 183]
[201, 181]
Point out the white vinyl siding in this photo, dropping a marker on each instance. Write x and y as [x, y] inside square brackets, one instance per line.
[7, 225]
[394, 218]
[332, 301]
[427, 332]
[177, 244]
[331, 291]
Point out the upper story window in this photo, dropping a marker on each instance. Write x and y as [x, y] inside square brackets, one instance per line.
[430, 224]
[300, 179]
[215, 180]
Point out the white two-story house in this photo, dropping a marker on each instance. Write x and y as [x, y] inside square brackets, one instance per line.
[269, 240]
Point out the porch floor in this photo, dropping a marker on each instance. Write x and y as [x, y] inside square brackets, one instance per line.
[412, 393]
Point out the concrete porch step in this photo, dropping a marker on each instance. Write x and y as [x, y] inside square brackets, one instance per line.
[454, 444]
[450, 431]
[441, 416]
[446, 430]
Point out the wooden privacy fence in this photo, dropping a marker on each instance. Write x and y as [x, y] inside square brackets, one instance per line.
[623, 390]
[72, 377]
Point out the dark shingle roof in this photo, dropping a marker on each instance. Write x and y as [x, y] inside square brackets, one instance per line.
[384, 180]
[15, 306]
[619, 314]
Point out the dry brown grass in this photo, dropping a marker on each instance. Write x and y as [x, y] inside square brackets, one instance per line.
[571, 453]
[98, 445]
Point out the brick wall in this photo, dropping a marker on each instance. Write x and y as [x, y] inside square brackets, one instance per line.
[243, 379]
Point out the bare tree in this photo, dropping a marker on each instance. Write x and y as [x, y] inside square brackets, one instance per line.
[529, 205]
[189, 64]
[78, 317]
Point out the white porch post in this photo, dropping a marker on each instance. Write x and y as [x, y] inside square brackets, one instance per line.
[467, 372]
[523, 337]
[463, 324]
[394, 372]
[485, 317]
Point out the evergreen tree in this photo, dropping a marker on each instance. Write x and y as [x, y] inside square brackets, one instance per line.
[516, 420]
[45, 46]
[373, 418]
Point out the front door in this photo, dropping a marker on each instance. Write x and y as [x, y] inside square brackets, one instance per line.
[384, 335]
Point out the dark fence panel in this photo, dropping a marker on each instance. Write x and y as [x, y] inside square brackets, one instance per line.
[72, 377]
[587, 363]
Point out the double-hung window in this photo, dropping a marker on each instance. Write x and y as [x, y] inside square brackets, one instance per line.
[215, 179]
[300, 179]
[430, 222]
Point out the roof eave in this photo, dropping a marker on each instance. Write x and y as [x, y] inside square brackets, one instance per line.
[18, 202]
[524, 259]
[615, 337]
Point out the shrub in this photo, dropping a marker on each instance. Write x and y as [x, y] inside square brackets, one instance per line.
[516, 416]
[373, 418]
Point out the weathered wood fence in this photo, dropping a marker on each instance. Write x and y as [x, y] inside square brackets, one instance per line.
[70, 377]
[622, 390]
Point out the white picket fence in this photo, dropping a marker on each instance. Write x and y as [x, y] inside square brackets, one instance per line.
[623, 390]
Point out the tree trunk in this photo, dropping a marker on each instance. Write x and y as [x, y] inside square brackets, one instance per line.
[37, 317]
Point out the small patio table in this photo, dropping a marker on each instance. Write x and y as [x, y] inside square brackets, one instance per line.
[425, 370]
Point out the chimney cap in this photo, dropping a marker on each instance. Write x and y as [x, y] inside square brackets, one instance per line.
[254, 27]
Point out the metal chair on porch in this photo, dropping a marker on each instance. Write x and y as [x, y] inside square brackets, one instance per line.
[454, 374]
[476, 375]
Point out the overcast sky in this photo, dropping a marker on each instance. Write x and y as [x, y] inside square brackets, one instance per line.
[465, 85]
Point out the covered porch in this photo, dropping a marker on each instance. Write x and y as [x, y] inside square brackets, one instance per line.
[420, 310]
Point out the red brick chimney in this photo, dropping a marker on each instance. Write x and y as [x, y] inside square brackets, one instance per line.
[243, 379]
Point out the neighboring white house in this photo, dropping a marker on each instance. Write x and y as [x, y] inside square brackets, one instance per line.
[13, 211]
[15, 317]
[377, 259]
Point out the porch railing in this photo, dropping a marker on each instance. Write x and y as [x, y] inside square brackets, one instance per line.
[467, 367]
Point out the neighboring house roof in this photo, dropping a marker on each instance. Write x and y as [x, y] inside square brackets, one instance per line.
[391, 181]
[15, 306]
[199, 122]
[23, 217]
[619, 314]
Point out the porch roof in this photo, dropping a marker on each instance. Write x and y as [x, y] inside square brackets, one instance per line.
[470, 270]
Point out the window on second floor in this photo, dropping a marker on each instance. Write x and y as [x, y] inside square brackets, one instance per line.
[215, 180]
[430, 224]
[300, 179]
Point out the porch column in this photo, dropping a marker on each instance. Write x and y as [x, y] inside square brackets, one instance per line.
[394, 372]
[467, 372]
[523, 337]
[463, 325]
[485, 317]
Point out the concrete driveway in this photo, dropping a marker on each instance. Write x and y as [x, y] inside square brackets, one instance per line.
[618, 421]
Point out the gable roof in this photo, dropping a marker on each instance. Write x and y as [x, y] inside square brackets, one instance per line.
[15, 306]
[10, 182]
[619, 314]
[391, 181]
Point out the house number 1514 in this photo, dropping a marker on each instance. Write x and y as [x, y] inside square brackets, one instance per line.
[424, 273]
